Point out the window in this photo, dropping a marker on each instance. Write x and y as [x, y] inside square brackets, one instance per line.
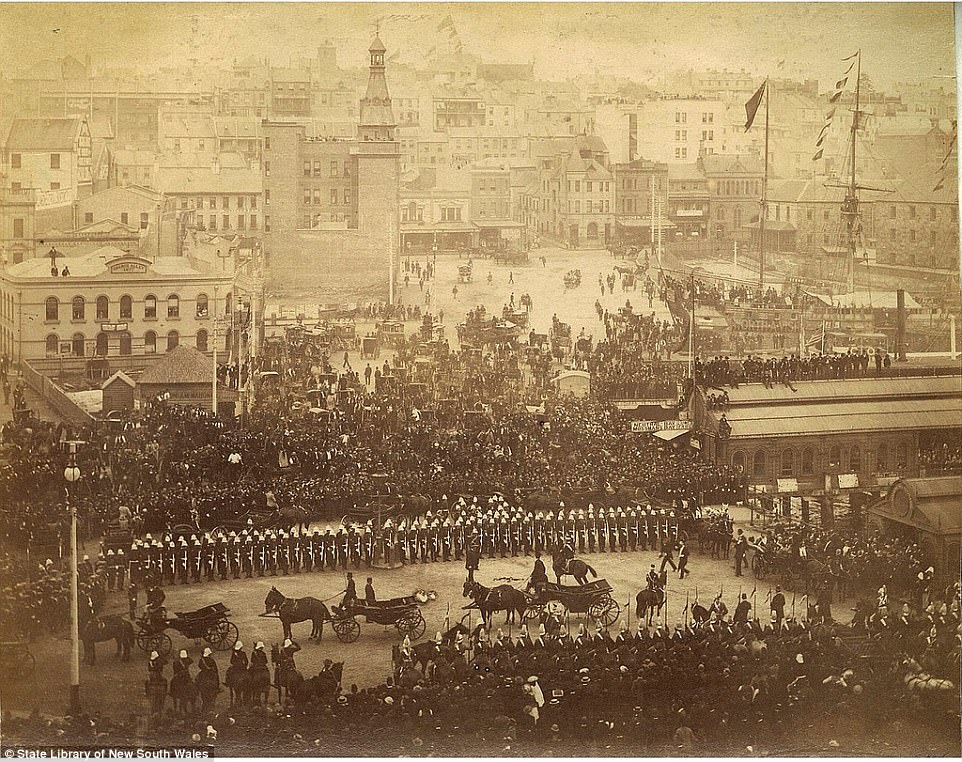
[55, 161]
[225, 221]
[228, 303]
[267, 168]
[18, 227]
[144, 220]
[173, 306]
[150, 307]
[225, 202]
[307, 169]
[240, 202]
[855, 460]
[53, 308]
[240, 221]
[123, 218]
[933, 213]
[577, 186]
[253, 222]
[125, 343]
[738, 460]
[77, 345]
[14, 161]
[88, 218]
[808, 461]
[267, 223]
[901, 455]
[150, 343]
[253, 202]
[52, 344]
[103, 308]
[212, 224]
[347, 196]
[212, 203]
[317, 197]
[102, 344]
[758, 465]
[267, 144]
[173, 339]
[834, 457]
[202, 340]
[882, 459]
[78, 308]
[334, 196]
[334, 172]
[911, 212]
[788, 463]
[126, 307]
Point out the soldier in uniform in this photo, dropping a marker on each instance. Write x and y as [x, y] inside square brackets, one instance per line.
[538, 532]
[457, 539]
[591, 528]
[356, 542]
[283, 552]
[601, 528]
[612, 530]
[432, 538]
[632, 529]
[235, 549]
[330, 549]
[411, 541]
[527, 534]
[121, 561]
[424, 540]
[343, 548]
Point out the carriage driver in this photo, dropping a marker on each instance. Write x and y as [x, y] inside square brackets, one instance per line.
[539, 575]
[155, 612]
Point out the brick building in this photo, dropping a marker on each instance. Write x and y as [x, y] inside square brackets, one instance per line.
[641, 200]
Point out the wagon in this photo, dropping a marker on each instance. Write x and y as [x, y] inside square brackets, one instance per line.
[402, 613]
[209, 623]
[593, 599]
[390, 333]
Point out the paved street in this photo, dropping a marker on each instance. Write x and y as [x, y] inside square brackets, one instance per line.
[114, 687]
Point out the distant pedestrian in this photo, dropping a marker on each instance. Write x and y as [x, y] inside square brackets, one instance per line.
[510, 278]
[683, 560]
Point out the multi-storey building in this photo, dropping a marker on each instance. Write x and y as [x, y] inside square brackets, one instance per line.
[463, 110]
[50, 156]
[495, 202]
[290, 93]
[688, 202]
[572, 202]
[331, 205]
[735, 194]
[641, 200]
[248, 91]
[215, 199]
[435, 212]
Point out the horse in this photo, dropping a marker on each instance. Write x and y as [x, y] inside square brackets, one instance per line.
[573, 567]
[322, 686]
[183, 690]
[649, 602]
[98, 629]
[501, 598]
[237, 681]
[699, 613]
[293, 610]
[284, 678]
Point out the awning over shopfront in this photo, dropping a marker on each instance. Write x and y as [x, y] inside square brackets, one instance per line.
[671, 435]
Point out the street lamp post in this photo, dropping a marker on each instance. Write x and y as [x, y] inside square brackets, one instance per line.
[72, 474]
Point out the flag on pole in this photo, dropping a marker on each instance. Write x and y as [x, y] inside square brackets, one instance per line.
[835, 96]
[751, 107]
[818, 154]
[849, 58]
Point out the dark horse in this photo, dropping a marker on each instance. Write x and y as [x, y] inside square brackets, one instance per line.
[501, 598]
[293, 610]
[94, 629]
[573, 567]
[649, 602]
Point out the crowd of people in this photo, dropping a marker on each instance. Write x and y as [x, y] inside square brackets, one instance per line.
[712, 684]
[726, 371]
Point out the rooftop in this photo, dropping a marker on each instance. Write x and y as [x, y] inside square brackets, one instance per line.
[95, 264]
[182, 365]
[43, 134]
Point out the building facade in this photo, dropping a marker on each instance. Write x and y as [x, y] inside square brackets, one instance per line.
[50, 156]
[641, 200]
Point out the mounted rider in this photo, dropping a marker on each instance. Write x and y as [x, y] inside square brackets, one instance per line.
[653, 579]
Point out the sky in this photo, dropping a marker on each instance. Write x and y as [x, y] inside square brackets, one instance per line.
[900, 42]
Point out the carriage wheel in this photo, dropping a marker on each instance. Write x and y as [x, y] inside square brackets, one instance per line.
[222, 635]
[758, 567]
[22, 667]
[187, 529]
[159, 642]
[534, 611]
[412, 625]
[605, 610]
[347, 629]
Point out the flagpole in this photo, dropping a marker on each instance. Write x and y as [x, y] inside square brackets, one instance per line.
[764, 216]
[854, 187]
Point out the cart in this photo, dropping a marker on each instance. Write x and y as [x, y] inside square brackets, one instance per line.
[402, 613]
[390, 333]
[593, 599]
[210, 623]
[370, 349]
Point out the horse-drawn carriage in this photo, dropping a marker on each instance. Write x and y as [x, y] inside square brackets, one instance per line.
[593, 599]
[403, 613]
[370, 348]
[791, 571]
[572, 279]
[518, 317]
[209, 623]
[390, 333]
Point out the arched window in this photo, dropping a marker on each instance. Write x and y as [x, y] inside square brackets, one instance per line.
[808, 461]
[150, 343]
[173, 339]
[173, 306]
[202, 340]
[77, 345]
[855, 460]
[53, 308]
[102, 345]
[758, 466]
[228, 303]
[592, 231]
[79, 308]
[228, 339]
[125, 343]
[835, 457]
[52, 344]
[126, 307]
[201, 305]
[901, 455]
[788, 463]
[103, 308]
[150, 307]
[738, 460]
[882, 459]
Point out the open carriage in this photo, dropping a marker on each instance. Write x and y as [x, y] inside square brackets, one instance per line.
[402, 613]
[593, 599]
[209, 623]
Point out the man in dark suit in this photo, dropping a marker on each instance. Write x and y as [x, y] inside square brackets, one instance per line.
[742, 609]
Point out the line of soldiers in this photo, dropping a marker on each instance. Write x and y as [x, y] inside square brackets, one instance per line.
[494, 527]
[250, 552]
